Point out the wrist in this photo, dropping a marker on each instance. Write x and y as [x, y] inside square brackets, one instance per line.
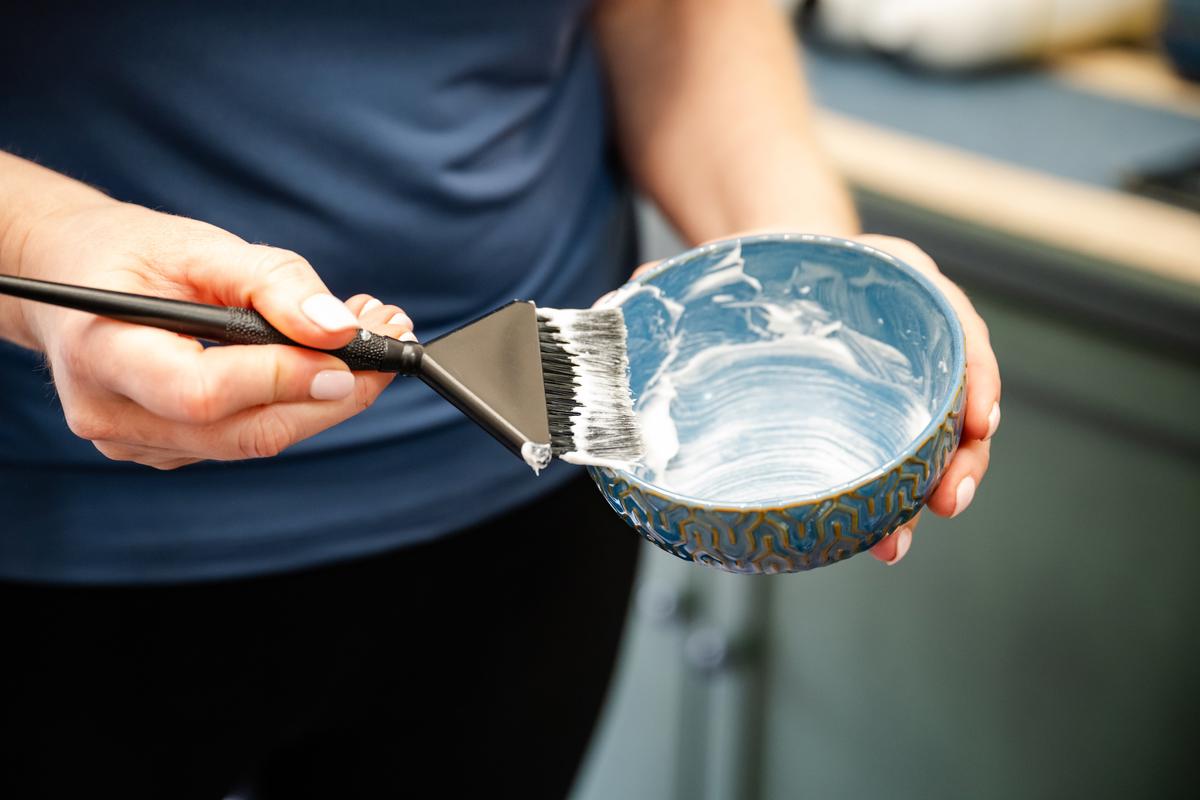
[30, 198]
[781, 187]
[15, 314]
[799, 193]
[28, 194]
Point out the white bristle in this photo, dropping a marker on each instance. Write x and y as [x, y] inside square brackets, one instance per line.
[586, 372]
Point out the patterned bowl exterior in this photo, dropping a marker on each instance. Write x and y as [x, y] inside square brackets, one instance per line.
[789, 538]
[809, 533]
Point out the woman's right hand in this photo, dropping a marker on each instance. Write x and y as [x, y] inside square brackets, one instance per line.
[146, 395]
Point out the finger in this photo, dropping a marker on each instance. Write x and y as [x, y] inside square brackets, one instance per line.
[374, 316]
[982, 411]
[176, 379]
[266, 431]
[902, 249]
[649, 265]
[982, 414]
[280, 284]
[387, 319]
[962, 478]
[896, 544]
[137, 434]
[361, 303]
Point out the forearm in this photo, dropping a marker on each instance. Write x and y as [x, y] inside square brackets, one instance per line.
[29, 193]
[714, 120]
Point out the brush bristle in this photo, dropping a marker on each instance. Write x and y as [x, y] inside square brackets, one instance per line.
[585, 368]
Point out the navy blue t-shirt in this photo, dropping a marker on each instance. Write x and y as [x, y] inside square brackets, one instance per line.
[446, 157]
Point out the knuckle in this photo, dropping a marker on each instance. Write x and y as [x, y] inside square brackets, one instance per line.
[880, 238]
[267, 434]
[196, 399]
[984, 329]
[985, 457]
[364, 395]
[384, 315]
[113, 451]
[169, 464]
[90, 426]
[919, 258]
[645, 267]
[278, 264]
[903, 249]
[72, 361]
[273, 364]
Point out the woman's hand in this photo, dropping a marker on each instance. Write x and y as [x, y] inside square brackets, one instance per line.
[146, 395]
[982, 410]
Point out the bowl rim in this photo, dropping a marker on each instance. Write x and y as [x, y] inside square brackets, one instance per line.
[958, 354]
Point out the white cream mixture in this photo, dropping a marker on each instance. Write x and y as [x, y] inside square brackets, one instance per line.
[805, 405]
[536, 455]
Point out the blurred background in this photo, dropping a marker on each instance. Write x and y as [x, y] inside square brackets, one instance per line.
[1045, 643]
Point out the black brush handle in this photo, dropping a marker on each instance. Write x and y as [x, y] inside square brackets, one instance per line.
[224, 324]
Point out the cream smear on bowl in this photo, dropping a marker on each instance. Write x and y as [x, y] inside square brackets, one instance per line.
[797, 402]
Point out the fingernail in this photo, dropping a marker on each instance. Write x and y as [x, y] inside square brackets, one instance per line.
[993, 421]
[400, 319]
[963, 495]
[369, 306]
[903, 542]
[328, 312]
[408, 336]
[332, 384]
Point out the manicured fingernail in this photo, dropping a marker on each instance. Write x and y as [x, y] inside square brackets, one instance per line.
[963, 495]
[400, 319]
[408, 336]
[331, 384]
[328, 312]
[903, 542]
[369, 306]
[993, 421]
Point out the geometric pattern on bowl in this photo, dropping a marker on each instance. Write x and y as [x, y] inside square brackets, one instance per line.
[790, 538]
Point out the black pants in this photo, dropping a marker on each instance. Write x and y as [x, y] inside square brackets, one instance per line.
[476, 664]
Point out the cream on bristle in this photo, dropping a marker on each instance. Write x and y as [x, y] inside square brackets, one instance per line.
[593, 421]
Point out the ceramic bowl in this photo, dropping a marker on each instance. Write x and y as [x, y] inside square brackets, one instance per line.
[801, 397]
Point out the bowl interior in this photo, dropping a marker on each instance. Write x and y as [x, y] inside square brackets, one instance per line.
[779, 368]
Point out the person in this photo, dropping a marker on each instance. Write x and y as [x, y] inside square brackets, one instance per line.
[323, 588]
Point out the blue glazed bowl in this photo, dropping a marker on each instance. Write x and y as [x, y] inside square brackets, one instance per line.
[800, 395]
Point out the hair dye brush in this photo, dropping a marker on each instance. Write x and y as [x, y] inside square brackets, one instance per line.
[545, 382]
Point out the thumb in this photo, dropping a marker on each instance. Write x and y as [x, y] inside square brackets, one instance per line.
[280, 285]
[644, 268]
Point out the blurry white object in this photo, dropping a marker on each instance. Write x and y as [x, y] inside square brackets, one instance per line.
[955, 34]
